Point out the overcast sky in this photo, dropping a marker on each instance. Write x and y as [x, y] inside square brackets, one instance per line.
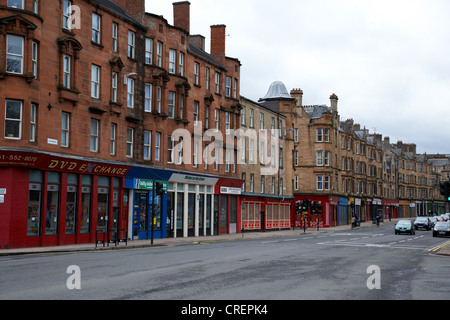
[388, 61]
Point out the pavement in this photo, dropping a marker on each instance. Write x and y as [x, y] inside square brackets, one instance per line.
[442, 249]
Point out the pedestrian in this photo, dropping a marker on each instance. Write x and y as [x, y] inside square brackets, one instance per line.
[353, 222]
[378, 220]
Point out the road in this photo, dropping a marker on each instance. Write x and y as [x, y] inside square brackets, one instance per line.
[366, 264]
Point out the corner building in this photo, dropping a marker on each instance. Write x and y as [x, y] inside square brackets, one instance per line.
[90, 95]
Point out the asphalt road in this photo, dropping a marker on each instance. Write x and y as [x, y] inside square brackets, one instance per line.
[365, 264]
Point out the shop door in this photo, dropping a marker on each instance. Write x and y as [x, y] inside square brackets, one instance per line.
[170, 218]
[140, 216]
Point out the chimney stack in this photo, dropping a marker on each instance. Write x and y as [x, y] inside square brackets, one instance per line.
[298, 95]
[334, 102]
[134, 8]
[218, 42]
[198, 40]
[181, 15]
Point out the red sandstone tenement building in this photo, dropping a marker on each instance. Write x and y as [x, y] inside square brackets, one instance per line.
[91, 93]
[100, 101]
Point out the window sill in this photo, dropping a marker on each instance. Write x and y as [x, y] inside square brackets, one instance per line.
[68, 94]
[98, 45]
[116, 107]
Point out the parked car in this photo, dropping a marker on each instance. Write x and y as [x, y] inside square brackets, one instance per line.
[405, 226]
[422, 222]
[441, 229]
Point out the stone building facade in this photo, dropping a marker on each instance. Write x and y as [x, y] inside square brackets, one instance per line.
[99, 102]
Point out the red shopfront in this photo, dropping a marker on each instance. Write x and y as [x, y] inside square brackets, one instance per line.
[328, 218]
[390, 208]
[266, 213]
[50, 200]
[227, 206]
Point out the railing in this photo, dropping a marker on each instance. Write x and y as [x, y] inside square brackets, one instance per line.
[111, 236]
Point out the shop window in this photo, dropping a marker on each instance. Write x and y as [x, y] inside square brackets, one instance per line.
[102, 204]
[116, 207]
[34, 203]
[52, 205]
[191, 214]
[71, 203]
[208, 214]
[201, 216]
[85, 204]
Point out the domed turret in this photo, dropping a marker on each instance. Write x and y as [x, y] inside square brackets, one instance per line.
[277, 90]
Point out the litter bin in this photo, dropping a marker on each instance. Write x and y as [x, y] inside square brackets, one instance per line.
[358, 223]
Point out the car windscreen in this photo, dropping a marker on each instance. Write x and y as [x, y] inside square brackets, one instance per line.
[404, 223]
[442, 225]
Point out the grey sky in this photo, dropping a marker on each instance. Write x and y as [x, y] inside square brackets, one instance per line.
[388, 61]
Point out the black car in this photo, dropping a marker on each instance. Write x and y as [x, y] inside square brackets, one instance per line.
[441, 229]
[422, 222]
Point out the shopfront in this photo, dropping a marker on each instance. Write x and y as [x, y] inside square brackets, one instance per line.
[51, 200]
[344, 217]
[265, 213]
[390, 208]
[147, 210]
[191, 206]
[227, 205]
[328, 218]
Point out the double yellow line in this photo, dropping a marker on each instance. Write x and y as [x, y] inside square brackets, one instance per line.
[439, 247]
